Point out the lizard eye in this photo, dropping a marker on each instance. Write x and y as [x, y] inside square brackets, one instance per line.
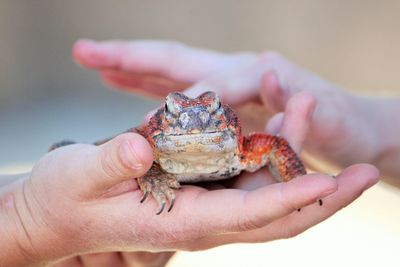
[210, 100]
[215, 104]
[173, 104]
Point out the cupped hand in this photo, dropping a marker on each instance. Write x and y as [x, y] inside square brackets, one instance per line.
[81, 199]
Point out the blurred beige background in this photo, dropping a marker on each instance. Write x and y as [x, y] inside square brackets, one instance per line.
[45, 97]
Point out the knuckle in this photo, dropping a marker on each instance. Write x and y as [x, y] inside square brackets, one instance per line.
[110, 165]
[249, 221]
[180, 238]
[177, 233]
[285, 201]
[246, 224]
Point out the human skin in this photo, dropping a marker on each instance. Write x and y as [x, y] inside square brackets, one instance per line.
[346, 128]
[81, 199]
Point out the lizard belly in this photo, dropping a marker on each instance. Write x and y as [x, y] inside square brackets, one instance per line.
[196, 167]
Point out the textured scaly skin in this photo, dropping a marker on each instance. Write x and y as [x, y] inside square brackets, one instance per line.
[257, 146]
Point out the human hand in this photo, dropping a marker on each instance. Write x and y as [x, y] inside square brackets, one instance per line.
[81, 199]
[295, 120]
[340, 127]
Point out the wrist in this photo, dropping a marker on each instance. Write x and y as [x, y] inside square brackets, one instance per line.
[29, 241]
[385, 126]
[18, 251]
[366, 121]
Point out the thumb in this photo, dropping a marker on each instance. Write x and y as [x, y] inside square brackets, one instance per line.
[124, 157]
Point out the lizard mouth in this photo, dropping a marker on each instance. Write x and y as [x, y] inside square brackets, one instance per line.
[194, 133]
[201, 138]
[198, 142]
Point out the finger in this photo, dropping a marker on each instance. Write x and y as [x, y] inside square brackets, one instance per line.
[279, 78]
[170, 59]
[297, 119]
[274, 125]
[212, 212]
[351, 183]
[143, 258]
[282, 79]
[104, 259]
[127, 156]
[236, 210]
[236, 86]
[152, 85]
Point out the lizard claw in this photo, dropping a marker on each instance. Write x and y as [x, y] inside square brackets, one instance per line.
[171, 205]
[146, 193]
[160, 185]
[161, 208]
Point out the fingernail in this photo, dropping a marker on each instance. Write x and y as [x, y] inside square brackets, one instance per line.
[129, 156]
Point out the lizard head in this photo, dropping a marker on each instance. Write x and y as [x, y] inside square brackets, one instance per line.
[195, 124]
[184, 115]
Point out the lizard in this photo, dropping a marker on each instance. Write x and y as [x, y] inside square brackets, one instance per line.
[200, 139]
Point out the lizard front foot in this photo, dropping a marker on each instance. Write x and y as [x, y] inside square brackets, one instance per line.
[160, 184]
